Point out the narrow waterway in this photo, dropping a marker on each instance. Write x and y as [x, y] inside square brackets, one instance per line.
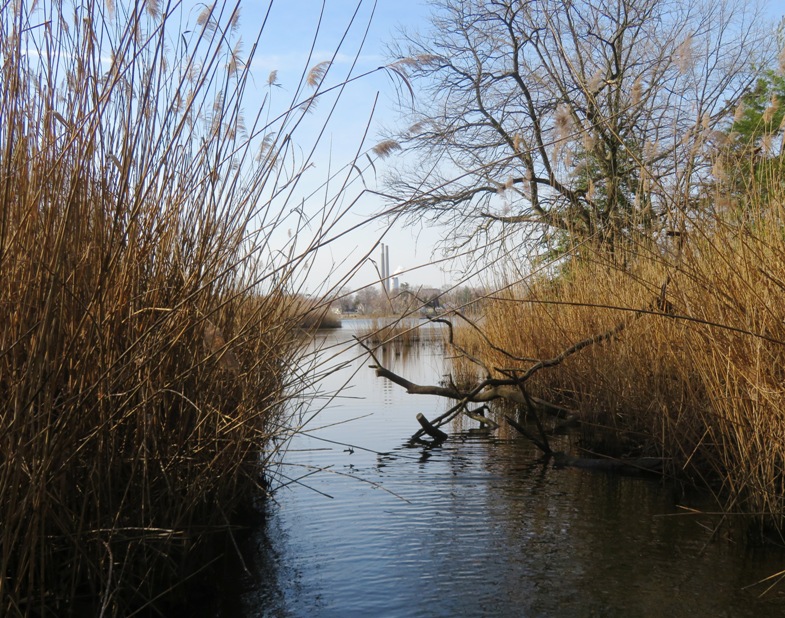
[478, 526]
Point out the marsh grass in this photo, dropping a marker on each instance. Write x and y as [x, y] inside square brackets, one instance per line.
[398, 331]
[145, 330]
[696, 376]
[314, 314]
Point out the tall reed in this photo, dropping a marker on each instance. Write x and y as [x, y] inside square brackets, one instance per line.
[145, 327]
[400, 331]
[696, 373]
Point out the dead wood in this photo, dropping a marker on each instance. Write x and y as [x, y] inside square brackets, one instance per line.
[436, 434]
[479, 416]
[511, 388]
[634, 465]
[543, 446]
[508, 388]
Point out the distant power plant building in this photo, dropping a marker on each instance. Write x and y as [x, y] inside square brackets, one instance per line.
[396, 279]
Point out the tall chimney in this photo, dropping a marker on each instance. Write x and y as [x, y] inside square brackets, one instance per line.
[387, 267]
[384, 270]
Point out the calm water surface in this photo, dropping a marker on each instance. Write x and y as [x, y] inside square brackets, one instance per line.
[479, 526]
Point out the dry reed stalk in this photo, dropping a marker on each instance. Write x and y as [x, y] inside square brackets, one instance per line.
[701, 384]
[144, 355]
[385, 331]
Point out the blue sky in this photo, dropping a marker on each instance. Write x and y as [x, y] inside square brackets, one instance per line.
[284, 48]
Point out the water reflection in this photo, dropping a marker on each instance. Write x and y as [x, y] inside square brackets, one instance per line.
[478, 526]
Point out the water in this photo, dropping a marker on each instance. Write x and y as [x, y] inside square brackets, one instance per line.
[479, 526]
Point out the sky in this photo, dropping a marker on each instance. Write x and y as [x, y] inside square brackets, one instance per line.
[365, 107]
[284, 47]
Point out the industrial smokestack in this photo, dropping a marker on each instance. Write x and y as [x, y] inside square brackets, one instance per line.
[384, 269]
[387, 267]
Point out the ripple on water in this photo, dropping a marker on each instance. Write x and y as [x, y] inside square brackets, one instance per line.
[479, 527]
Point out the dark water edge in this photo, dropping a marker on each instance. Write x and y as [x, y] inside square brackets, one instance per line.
[479, 526]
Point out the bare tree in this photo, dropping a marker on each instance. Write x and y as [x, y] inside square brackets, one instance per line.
[572, 120]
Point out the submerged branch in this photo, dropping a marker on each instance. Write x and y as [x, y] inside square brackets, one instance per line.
[510, 388]
[490, 389]
[436, 433]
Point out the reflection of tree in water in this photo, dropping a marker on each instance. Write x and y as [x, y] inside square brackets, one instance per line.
[406, 331]
[569, 542]
[408, 357]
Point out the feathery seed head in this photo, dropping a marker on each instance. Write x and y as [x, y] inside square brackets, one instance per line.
[595, 83]
[589, 141]
[385, 148]
[683, 56]
[766, 144]
[718, 171]
[204, 16]
[153, 8]
[773, 107]
[317, 73]
[563, 122]
[739, 113]
[637, 90]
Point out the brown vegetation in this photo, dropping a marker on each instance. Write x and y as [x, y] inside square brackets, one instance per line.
[651, 213]
[145, 330]
[401, 331]
[312, 314]
[696, 374]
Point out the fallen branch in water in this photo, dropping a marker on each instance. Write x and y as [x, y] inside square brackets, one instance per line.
[636, 465]
[511, 388]
[436, 434]
[479, 416]
[508, 388]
